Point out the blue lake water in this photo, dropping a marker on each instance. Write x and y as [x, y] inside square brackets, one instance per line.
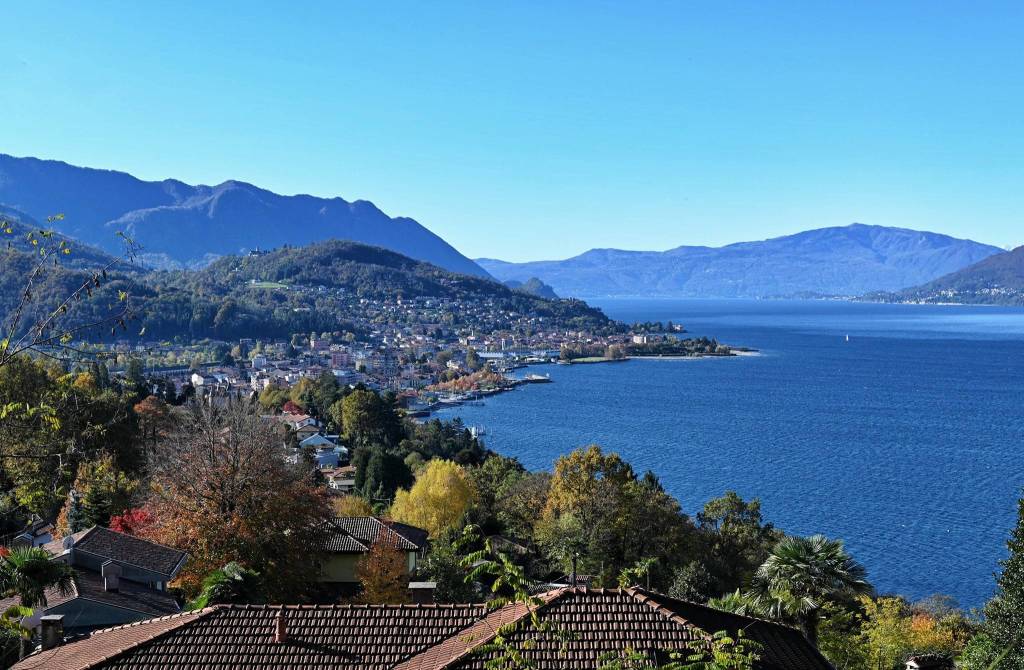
[905, 441]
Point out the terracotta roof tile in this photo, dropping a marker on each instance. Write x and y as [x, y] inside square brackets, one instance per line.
[107, 644]
[230, 637]
[589, 624]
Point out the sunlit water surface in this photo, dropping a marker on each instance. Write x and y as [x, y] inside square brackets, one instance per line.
[905, 440]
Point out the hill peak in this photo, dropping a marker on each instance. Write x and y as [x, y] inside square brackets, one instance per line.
[187, 224]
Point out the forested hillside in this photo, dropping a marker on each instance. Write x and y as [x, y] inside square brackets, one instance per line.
[328, 286]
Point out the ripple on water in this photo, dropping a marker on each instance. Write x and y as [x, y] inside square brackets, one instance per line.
[903, 441]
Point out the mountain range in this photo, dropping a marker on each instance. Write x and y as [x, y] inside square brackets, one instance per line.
[839, 261]
[184, 226]
[181, 225]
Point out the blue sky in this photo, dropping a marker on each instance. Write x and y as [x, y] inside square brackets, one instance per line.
[538, 130]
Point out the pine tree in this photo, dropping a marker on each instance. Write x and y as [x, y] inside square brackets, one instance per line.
[1004, 614]
[76, 513]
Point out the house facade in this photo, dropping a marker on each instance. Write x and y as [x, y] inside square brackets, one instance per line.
[346, 540]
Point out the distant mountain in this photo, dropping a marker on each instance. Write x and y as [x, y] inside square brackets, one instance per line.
[319, 287]
[846, 261]
[183, 225]
[533, 286]
[997, 280]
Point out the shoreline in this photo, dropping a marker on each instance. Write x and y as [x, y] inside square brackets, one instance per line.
[477, 396]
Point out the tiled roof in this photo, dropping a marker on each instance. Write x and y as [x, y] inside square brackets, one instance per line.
[336, 540]
[239, 637]
[123, 548]
[88, 584]
[108, 644]
[589, 624]
[418, 536]
[368, 530]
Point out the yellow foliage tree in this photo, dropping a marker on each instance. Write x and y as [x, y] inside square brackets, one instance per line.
[890, 631]
[350, 506]
[438, 500]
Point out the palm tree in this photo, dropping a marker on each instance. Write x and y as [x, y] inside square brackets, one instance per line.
[29, 571]
[232, 584]
[802, 574]
[738, 602]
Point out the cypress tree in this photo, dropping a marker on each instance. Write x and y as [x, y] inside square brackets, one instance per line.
[1004, 614]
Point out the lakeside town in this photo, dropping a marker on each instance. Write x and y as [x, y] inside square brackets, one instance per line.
[512, 336]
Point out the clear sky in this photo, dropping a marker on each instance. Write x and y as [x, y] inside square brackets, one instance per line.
[528, 130]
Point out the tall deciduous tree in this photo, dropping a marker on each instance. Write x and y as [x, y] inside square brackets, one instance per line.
[223, 492]
[368, 419]
[736, 540]
[438, 500]
[383, 572]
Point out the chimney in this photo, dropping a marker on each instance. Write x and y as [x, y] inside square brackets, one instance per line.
[53, 630]
[422, 593]
[111, 573]
[280, 628]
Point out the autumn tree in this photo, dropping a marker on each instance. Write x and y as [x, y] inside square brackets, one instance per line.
[892, 630]
[54, 427]
[383, 572]
[100, 491]
[438, 500]
[154, 418]
[135, 521]
[223, 493]
[352, 505]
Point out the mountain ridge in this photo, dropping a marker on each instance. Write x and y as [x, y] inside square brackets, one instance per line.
[181, 225]
[996, 280]
[840, 260]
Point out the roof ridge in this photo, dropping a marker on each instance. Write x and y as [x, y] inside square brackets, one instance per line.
[644, 597]
[137, 624]
[140, 539]
[651, 595]
[333, 606]
[471, 643]
[187, 618]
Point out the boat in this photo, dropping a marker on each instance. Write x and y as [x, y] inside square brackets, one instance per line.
[537, 379]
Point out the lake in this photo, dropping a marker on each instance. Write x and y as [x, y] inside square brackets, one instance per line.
[905, 441]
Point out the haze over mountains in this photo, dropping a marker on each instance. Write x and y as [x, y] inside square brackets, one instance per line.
[840, 261]
[182, 225]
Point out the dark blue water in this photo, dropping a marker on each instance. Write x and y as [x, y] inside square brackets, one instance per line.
[905, 441]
